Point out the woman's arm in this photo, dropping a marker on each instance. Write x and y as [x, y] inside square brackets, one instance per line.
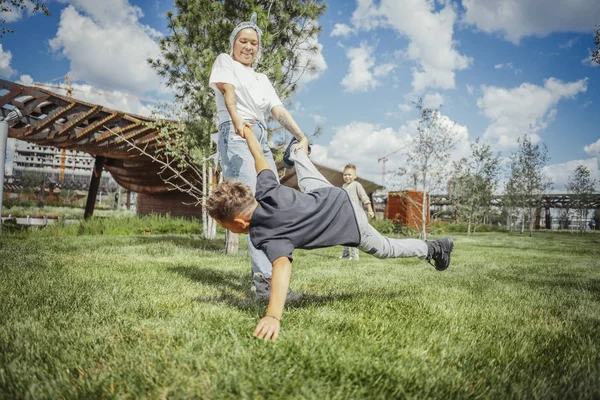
[287, 122]
[228, 91]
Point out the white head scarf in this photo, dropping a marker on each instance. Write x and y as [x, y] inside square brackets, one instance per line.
[243, 25]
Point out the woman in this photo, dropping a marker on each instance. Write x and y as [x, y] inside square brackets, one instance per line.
[244, 97]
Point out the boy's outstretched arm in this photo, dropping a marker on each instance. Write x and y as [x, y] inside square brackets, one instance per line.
[260, 162]
[268, 327]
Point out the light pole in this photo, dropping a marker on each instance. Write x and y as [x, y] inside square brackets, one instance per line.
[12, 116]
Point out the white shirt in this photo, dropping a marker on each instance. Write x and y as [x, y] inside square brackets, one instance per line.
[254, 93]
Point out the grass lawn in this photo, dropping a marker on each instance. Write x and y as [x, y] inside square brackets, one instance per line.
[168, 317]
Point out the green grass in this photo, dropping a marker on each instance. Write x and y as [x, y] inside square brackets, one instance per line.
[168, 317]
[61, 212]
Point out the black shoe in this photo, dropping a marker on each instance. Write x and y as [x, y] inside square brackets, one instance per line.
[440, 251]
[262, 289]
[288, 151]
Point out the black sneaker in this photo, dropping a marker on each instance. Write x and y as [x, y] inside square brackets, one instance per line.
[262, 289]
[286, 154]
[440, 251]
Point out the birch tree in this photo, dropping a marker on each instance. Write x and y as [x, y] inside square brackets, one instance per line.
[527, 181]
[474, 183]
[580, 188]
[429, 155]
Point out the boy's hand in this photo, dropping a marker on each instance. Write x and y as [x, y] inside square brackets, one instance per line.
[267, 329]
[302, 144]
[371, 214]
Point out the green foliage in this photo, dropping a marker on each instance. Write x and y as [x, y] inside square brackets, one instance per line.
[168, 317]
[595, 56]
[527, 180]
[581, 188]
[474, 183]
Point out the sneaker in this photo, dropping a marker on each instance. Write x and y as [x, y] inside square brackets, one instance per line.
[439, 251]
[288, 152]
[262, 289]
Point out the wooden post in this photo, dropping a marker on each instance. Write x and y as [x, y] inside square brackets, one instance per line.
[94, 184]
[128, 200]
[548, 218]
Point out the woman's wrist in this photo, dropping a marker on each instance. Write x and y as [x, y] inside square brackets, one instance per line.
[274, 317]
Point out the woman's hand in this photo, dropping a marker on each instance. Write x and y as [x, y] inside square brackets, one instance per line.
[239, 125]
[267, 329]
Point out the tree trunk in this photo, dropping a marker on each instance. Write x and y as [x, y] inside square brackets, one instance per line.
[204, 213]
[522, 221]
[531, 221]
[212, 225]
[469, 227]
[423, 234]
[232, 242]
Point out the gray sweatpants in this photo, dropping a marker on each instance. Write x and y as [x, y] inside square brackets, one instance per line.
[371, 241]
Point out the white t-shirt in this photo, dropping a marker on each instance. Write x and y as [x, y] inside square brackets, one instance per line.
[254, 92]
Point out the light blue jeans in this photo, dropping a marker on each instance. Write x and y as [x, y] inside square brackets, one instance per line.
[238, 164]
[371, 241]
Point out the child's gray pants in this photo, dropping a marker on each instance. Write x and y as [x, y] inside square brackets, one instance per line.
[371, 241]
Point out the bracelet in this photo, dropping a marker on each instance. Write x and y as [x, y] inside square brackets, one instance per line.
[278, 320]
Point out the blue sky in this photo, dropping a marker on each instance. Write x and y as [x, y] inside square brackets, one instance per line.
[496, 67]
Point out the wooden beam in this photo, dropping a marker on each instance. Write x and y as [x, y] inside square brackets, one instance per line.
[34, 104]
[94, 184]
[10, 96]
[96, 126]
[48, 120]
[76, 121]
[119, 131]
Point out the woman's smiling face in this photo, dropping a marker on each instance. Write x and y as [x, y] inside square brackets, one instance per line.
[245, 46]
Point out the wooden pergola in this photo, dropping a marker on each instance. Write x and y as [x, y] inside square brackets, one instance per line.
[50, 119]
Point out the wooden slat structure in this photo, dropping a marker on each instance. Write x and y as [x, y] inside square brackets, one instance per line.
[50, 119]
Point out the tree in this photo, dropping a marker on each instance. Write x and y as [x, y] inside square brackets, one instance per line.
[19, 5]
[199, 32]
[527, 181]
[429, 154]
[581, 187]
[596, 53]
[474, 183]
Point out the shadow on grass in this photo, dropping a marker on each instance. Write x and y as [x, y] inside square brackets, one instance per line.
[241, 298]
[213, 245]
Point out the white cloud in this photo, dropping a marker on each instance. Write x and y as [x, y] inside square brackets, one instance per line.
[433, 100]
[509, 66]
[25, 80]
[107, 46]
[113, 99]
[560, 173]
[363, 144]
[405, 107]
[12, 13]
[430, 34]
[569, 43]
[513, 111]
[341, 30]
[362, 72]
[319, 119]
[593, 149]
[469, 88]
[5, 59]
[313, 59]
[515, 19]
